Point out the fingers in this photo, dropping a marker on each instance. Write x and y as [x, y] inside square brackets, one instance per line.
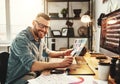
[67, 52]
[68, 60]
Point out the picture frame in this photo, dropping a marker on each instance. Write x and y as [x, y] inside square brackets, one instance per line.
[64, 31]
[56, 33]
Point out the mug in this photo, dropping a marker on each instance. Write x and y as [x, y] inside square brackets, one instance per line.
[103, 71]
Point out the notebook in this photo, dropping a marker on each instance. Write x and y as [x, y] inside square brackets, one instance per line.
[78, 45]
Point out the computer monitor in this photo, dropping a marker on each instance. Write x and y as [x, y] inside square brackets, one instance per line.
[110, 34]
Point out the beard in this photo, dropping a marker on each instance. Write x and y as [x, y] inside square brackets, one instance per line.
[39, 32]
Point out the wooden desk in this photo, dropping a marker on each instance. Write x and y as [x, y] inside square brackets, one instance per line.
[81, 67]
[82, 61]
[93, 63]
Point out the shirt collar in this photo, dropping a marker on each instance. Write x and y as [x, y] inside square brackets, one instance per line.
[30, 36]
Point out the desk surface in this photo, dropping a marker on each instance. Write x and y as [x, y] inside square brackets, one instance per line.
[93, 62]
[70, 79]
[86, 66]
[81, 67]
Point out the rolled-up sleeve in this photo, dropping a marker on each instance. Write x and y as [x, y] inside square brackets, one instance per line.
[20, 59]
[22, 55]
[22, 51]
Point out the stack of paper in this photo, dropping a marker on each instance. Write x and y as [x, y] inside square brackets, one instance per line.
[56, 79]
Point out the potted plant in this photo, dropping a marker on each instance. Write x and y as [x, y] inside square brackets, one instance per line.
[64, 12]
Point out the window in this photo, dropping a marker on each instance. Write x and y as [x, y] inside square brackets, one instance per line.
[22, 13]
[16, 15]
[3, 36]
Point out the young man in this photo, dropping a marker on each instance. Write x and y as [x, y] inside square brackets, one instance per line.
[26, 53]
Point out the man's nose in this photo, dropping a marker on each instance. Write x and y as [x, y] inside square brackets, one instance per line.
[44, 29]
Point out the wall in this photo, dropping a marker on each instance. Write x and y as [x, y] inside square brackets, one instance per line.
[107, 7]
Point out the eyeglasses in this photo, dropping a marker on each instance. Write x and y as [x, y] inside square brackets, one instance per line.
[42, 25]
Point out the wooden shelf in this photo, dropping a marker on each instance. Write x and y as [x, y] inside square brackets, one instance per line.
[67, 0]
[66, 37]
[61, 18]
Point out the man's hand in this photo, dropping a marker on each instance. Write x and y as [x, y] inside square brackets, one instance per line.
[67, 52]
[66, 62]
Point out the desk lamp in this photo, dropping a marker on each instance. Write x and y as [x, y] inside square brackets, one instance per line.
[86, 19]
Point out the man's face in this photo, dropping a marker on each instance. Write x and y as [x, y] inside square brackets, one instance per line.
[41, 27]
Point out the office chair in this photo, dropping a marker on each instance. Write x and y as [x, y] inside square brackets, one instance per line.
[3, 66]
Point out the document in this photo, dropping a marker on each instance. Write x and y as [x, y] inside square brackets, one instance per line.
[56, 79]
[78, 46]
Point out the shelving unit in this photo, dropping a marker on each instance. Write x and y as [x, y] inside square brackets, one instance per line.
[57, 23]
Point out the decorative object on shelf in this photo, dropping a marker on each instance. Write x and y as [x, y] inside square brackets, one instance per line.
[64, 31]
[53, 15]
[56, 33]
[82, 31]
[64, 12]
[68, 23]
[69, 32]
[53, 44]
[77, 12]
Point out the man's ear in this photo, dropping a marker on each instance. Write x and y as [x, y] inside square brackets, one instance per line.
[33, 23]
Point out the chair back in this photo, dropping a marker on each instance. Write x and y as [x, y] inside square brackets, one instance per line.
[3, 66]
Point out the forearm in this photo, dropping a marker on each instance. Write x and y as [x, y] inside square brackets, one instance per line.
[56, 53]
[39, 66]
[60, 53]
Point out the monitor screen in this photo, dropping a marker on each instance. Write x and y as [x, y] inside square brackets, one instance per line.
[110, 32]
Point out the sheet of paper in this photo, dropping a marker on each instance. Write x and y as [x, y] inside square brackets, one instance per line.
[56, 79]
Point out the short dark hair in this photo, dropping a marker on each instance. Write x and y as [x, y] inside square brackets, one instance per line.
[45, 16]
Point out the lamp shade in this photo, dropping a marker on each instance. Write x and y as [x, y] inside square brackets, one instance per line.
[85, 19]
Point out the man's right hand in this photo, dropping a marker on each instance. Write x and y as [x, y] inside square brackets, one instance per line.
[66, 62]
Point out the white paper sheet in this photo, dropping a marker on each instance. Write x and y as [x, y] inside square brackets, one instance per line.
[56, 79]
